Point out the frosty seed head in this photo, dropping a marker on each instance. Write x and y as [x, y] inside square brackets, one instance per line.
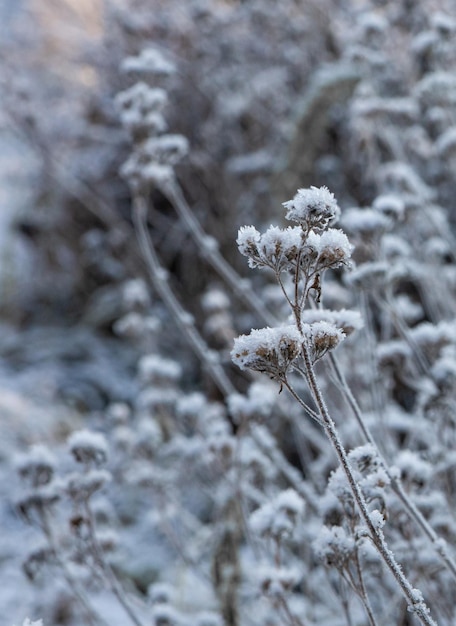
[277, 582]
[278, 518]
[88, 447]
[270, 350]
[36, 466]
[347, 320]
[334, 547]
[277, 248]
[334, 249]
[80, 487]
[322, 337]
[314, 209]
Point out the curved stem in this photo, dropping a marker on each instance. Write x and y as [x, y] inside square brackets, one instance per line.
[208, 247]
[184, 321]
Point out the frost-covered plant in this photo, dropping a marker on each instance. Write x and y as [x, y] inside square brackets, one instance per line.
[215, 482]
[277, 351]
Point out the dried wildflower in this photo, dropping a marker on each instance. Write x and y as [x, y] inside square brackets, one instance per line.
[135, 295]
[314, 209]
[276, 582]
[277, 248]
[390, 205]
[166, 149]
[369, 276]
[347, 320]
[364, 222]
[334, 547]
[37, 466]
[270, 350]
[279, 517]
[37, 559]
[140, 109]
[333, 249]
[322, 337]
[36, 502]
[81, 487]
[88, 447]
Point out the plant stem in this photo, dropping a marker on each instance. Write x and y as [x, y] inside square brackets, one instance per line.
[208, 247]
[91, 616]
[111, 578]
[412, 595]
[438, 543]
[184, 321]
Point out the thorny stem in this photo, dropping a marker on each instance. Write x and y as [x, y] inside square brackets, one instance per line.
[413, 597]
[396, 484]
[183, 320]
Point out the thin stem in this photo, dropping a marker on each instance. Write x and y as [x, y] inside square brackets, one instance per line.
[363, 593]
[288, 471]
[293, 619]
[413, 597]
[438, 543]
[208, 247]
[111, 578]
[73, 583]
[310, 412]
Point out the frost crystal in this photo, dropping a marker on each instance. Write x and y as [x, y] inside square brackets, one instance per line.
[270, 350]
[314, 208]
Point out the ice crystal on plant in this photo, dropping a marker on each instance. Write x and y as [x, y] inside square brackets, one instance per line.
[322, 337]
[314, 208]
[270, 350]
[277, 248]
